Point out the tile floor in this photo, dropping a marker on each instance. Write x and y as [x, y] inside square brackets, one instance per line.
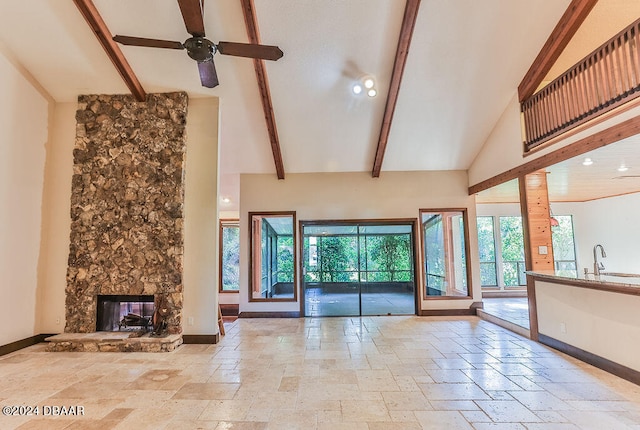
[325, 373]
[511, 309]
[319, 304]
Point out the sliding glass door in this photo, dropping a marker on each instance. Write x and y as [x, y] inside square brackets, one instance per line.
[353, 269]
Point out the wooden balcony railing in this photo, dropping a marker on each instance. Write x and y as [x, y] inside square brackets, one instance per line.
[604, 80]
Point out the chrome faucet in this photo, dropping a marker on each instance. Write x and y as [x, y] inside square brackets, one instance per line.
[597, 265]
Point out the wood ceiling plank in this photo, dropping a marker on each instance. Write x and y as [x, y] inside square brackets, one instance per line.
[251, 22]
[102, 33]
[571, 20]
[404, 41]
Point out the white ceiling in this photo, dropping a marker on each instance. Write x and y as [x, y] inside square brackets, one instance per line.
[466, 60]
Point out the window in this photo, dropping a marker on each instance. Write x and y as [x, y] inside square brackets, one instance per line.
[512, 247]
[502, 261]
[564, 249]
[229, 256]
[487, 251]
[445, 253]
[272, 265]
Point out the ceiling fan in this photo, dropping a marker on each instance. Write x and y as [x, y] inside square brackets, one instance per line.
[201, 49]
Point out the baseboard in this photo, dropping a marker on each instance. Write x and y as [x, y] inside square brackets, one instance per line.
[269, 315]
[20, 344]
[229, 309]
[196, 339]
[607, 365]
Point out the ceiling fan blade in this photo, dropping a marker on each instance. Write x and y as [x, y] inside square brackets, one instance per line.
[192, 15]
[208, 75]
[250, 50]
[143, 41]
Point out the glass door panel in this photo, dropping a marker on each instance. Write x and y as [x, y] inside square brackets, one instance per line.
[358, 269]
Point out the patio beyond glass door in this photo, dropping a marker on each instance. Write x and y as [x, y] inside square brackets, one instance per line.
[358, 269]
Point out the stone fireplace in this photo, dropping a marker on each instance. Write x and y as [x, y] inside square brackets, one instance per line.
[127, 234]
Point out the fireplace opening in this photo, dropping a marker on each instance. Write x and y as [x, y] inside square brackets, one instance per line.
[125, 313]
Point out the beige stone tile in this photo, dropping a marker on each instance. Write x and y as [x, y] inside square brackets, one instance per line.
[394, 426]
[364, 410]
[439, 420]
[454, 405]
[45, 424]
[541, 401]
[206, 391]
[406, 401]
[502, 426]
[241, 425]
[342, 426]
[293, 419]
[225, 410]
[453, 392]
[594, 420]
[507, 411]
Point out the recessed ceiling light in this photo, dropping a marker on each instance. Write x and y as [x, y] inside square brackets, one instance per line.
[372, 92]
[368, 83]
[587, 162]
[622, 168]
[357, 89]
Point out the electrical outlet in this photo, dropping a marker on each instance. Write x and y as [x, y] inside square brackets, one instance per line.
[190, 321]
[563, 327]
[542, 250]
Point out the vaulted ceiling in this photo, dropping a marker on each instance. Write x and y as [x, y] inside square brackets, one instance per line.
[464, 65]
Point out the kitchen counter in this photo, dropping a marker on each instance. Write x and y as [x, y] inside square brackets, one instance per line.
[617, 284]
[593, 318]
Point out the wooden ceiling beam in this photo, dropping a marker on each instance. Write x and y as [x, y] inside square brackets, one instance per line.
[101, 31]
[404, 41]
[251, 22]
[566, 28]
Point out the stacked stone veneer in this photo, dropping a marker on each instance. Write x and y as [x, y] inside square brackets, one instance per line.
[127, 197]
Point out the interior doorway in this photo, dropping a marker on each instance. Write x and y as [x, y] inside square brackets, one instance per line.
[358, 268]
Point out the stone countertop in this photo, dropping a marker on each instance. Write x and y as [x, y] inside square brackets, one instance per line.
[619, 284]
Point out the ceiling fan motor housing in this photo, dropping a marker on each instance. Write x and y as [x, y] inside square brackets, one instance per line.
[200, 49]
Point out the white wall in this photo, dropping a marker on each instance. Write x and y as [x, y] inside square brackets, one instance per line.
[611, 222]
[56, 221]
[201, 219]
[23, 136]
[343, 196]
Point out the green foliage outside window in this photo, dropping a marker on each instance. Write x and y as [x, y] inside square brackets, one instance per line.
[382, 258]
[230, 258]
[512, 241]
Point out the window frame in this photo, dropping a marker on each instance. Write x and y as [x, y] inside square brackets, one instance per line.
[226, 223]
[467, 254]
[252, 252]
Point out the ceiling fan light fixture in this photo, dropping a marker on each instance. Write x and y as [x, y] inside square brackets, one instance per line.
[372, 92]
[357, 88]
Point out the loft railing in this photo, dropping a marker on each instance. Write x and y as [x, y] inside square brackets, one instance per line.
[604, 80]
